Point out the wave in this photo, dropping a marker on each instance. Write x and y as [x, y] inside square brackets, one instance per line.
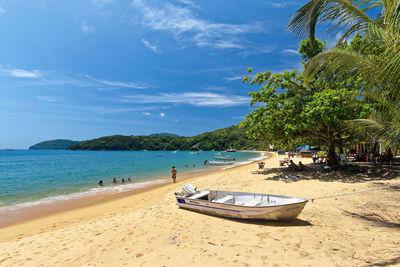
[251, 160]
[91, 192]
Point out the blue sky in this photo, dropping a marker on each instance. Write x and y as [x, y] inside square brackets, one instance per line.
[82, 69]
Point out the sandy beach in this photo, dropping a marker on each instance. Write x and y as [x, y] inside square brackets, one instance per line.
[148, 229]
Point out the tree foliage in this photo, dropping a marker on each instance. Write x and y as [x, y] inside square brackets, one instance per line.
[294, 109]
[311, 47]
[376, 57]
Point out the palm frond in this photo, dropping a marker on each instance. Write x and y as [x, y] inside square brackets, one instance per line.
[341, 14]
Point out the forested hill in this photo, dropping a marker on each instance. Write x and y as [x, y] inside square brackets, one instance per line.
[231, 137]
[54, 144]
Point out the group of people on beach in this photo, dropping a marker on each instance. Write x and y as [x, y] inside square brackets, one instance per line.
[294, 167]
[115, 181]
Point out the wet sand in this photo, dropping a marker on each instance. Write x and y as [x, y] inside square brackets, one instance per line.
[148, 229]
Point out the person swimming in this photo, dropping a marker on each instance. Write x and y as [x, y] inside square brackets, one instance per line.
[129, 179]
[114, 181]
[122, 181]
[101, 182]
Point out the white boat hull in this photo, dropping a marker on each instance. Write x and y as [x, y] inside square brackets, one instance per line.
[267, 211]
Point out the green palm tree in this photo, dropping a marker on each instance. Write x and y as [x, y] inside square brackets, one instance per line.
[380, 71]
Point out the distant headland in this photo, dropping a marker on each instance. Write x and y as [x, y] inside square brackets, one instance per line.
[54, 144]
[231, 137]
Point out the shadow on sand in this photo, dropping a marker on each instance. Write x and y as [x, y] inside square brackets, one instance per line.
[353, 173]
[288, 223]
[390, 262]
[376, 219]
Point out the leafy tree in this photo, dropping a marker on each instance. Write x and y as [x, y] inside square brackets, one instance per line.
[311, 47]
[296, 110]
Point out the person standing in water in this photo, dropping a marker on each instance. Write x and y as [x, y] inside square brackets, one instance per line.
[174, 174]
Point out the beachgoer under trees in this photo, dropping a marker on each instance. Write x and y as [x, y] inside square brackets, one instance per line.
[174, 174]
[292, 166]
[101, 182]
[314, 157]
[301, 167]
[389, 156]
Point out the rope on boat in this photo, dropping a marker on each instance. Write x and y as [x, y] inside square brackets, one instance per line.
[348, 194]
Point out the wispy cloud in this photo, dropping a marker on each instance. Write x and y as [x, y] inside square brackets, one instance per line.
[189, 3]
[234, 78]
[45, 98]
[183, 23]
[281, 4]
[146, 113]
[290, 51]
[199, 99]
[257, 51]
[118, 84]
[47, 77]
[20, 73]
[150, 46]
[85, 28]
[162, 115]
[100, 3]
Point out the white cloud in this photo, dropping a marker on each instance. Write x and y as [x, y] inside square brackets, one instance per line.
[189, 3]
[118, 84]
[151, 47]
[234, 78]
[290, 51]
[257, 51]
[20, 73]
[281, 4]
[146, 113]
[45, 98]
[199, 99]
[162, 115]
[185, 25]
[85, 28]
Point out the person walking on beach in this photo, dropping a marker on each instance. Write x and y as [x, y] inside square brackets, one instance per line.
[174, 174]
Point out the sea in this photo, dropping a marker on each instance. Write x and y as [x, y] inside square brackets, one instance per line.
[33, 177]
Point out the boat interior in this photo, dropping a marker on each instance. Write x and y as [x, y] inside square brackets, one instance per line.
[244, 199]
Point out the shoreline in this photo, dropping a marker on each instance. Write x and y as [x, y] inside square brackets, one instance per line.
[23, 212]
[149, 229]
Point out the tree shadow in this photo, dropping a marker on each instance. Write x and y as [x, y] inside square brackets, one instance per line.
[353, 173]
[393, 261]
[375, 219]
[283, 223]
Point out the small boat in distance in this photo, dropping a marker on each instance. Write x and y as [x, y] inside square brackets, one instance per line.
[194, 153]
[240, 205]
[224, 157]
[231, 150]
[214, 162]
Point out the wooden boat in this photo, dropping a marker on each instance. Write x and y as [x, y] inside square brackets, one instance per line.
[240, 205]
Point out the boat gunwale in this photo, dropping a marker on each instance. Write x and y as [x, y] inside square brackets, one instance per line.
[255, 207]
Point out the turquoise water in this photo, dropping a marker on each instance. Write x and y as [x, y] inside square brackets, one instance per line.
[31, 176]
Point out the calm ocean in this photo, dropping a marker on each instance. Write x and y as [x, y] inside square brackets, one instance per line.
[30, 177]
